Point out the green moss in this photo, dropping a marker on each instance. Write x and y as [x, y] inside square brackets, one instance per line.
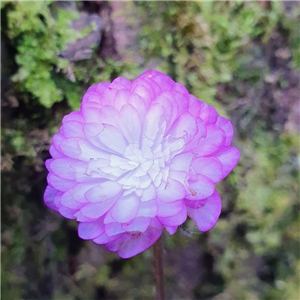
[39, 31]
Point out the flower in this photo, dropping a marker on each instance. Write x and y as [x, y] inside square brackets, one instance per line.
[138, 157]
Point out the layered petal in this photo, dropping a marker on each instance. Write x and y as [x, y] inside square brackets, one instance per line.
[91, 230]
[126, 208]
[228, 157]
[209, 167]
[200, 188]
[131, 244]
[172, 192]
[138, 157]
[206, 216]
[215, 138]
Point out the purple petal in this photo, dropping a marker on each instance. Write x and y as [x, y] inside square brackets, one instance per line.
[121, 99]
[139, 224]
[206, 216]
[55, 153]
[208, 113]
[68, 200]
[67, 212]
[116, 243]
[226, 126]
[73, 129]
[102, 86]
[144, 92]
[70, 147]
[104, 238]
[165, 82]
[121, 82]
[91, 114]
[195, 203]
[81, 218]
[92, 96]
[181, 98]
[194, 106]
[60, 184]
[96, 210]
[201, 133]
[214, 139]
[135, 158]
[176, 219]
[79, 149]
[114, 228]
[171, 229]
[67, 167]
[200, 188]
[91, 230]
[49, 196]
[73, 116]
[79, 190]
[209, 167]
[152, 85]
[135, 243]
[228, 157]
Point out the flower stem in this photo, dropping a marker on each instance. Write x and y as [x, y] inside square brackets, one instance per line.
[158, 270]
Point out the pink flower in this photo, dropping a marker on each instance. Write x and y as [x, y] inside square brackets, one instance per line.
[139, 157]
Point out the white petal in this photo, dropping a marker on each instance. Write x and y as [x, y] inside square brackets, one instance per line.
[149, 193]
[152, 122]
[111, 137]
[182, 162]
[147, 209]
[130, 124]
[185, 126]
[126, 208]
[169, 209]
[121, 98]
[103, 191]
[174, 191]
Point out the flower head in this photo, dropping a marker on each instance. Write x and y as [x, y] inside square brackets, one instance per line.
[138, 157]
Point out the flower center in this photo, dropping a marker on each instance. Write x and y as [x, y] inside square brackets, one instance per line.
[146, 165]
[142, 166]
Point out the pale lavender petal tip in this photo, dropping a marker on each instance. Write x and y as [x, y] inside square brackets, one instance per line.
[138, 157]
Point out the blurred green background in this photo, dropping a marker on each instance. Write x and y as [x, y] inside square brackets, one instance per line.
[241, 57]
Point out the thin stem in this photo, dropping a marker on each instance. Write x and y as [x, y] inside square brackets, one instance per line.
[158, 270]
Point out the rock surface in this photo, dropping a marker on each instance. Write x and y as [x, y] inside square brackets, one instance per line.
[83, 48]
